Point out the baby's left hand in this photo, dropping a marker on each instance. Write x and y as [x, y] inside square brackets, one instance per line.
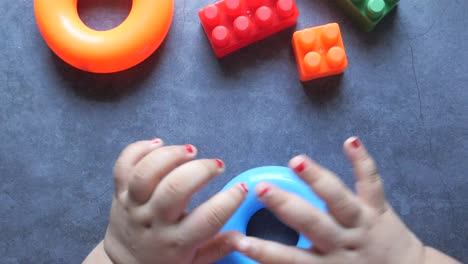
[148, 222]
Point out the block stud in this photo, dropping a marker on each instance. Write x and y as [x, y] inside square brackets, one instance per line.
[336, 57]
[375, 9]
[312, 61]
[285, 8]
[233, 7]
[211, 15]
[221, 36]
[242, 26]
[264, 16]
[330, 33]
[307, 40]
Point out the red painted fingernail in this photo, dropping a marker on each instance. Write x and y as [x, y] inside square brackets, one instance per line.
[300, 167]
[156, 140]
[264, 192]
[220, 163]
[244, 187]
[189, 148]
[356, 143]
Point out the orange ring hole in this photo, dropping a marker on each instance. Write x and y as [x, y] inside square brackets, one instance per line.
[103, 15]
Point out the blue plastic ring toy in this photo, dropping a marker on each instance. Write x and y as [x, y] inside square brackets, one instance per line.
[282, 177]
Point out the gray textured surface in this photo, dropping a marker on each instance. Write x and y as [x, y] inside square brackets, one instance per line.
[405, 94]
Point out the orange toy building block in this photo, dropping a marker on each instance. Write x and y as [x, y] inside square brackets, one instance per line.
[319, 52]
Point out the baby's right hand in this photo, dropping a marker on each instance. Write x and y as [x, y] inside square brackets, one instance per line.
[358, 229]
[148, 222]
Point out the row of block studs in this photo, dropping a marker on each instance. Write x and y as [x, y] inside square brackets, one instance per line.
[233, 8]
[242, 24]
[248, 21]
[319, 52]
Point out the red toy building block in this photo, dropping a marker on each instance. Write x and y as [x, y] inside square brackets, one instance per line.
[319, 52]
[233, 24]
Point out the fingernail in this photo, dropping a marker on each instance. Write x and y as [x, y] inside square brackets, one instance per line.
[264, 192]
[156, 141]
[244, 187]
[300, 167]
[189, 148]
[220, 163]
[356, 143]
[243, 245]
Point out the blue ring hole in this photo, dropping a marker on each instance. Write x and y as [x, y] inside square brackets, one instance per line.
[265, 225]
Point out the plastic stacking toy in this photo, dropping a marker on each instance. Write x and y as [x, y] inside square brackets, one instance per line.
[368, 13]
[319, 52]
[103, 51]
[280, 176]
[233, 24]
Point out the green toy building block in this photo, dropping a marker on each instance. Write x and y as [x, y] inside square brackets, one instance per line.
[368, 13]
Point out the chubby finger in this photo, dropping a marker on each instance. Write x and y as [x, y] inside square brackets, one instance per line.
[174, 192]
[341, 202]
[217, 248]
[207, 219]
[297, 213]
[369, 184]
[269, 252]
[153, 167]
[129, 157]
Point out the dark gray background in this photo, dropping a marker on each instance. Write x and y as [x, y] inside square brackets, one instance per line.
[405, 94]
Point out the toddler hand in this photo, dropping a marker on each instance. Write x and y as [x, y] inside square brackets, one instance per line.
[358, 229]
[148, 222]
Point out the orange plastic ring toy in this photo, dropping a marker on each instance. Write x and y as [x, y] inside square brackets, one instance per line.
[113, 50]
